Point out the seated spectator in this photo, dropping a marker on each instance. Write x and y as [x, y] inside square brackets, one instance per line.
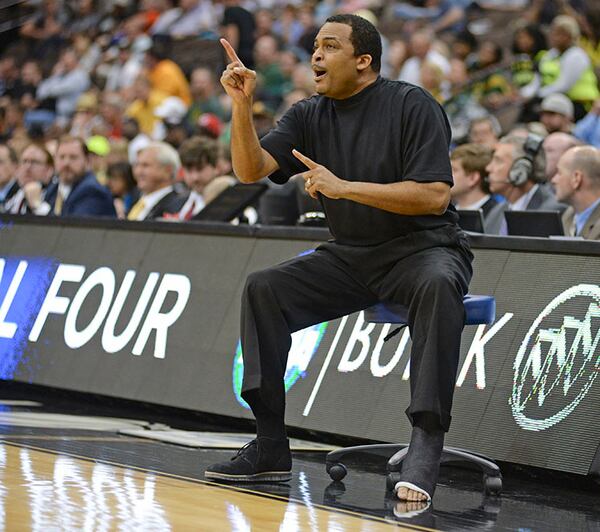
[86, 121]
[554, 146]
[8, 176]
[238, 28]
[146, 100]
[485, 130]
[492, 88]
[76, 192]
[31, 77]
[165, 75]
[431, 79]
[172, 129]
[34, 174]
[565, 68]
[517, 171]
[529, 45]
[421, 50]
[556, 113]
[464, 47]
[577, 183]
[125, 68]
[136, 139]
[471, 190]
[442, 15]
[310, 28]
[270, 82]
[589, 20]
[199, 163]
[67, 83]
[11, 84]
[99, 149]
[86, 17]
[45, 28]
[287, 28]
[588, 128]
[205, 99]
[209, 126]
[123, 187]
[155, 171]
[192, 17]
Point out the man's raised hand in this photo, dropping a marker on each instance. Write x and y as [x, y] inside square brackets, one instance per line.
[238, 81]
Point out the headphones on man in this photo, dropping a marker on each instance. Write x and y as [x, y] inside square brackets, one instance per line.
[522, 168]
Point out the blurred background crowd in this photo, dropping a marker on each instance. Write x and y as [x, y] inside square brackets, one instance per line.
[114, 108]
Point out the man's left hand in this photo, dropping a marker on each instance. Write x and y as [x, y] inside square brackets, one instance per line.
[320, 179]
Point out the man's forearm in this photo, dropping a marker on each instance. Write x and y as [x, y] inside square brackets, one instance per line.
[246, 152]
[407, 197]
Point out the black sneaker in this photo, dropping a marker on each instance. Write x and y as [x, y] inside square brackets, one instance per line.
[261, 460]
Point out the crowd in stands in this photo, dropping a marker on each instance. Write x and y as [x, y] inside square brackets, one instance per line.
[114, 108]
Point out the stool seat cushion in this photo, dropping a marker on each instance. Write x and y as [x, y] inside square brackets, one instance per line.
[479, 309]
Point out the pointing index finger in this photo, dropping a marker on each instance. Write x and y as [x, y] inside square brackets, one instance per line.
[231, 52]
[309, 163]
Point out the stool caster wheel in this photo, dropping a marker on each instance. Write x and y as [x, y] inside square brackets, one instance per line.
[337, 471]
[391, 480]
[493, 485]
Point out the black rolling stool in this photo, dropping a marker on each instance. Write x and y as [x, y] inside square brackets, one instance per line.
[479, 310]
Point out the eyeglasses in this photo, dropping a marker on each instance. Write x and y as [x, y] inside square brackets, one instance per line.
[32, 162]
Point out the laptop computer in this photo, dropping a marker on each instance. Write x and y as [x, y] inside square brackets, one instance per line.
[471, 220]
[231, 202]
[534, 223]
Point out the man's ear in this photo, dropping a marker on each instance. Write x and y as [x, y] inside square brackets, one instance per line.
[577, 179]
[474, 178]
[363, 62]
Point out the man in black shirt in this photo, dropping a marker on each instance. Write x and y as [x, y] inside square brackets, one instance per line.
[238, 28]
[375, 153]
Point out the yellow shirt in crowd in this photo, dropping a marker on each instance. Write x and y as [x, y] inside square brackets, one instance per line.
[167, 77]
[143, 111]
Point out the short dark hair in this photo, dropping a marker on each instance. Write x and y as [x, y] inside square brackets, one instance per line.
[474, 158]
[123, 170]
[198, 152]
[66, 139]
[364, 37]
[42, 148]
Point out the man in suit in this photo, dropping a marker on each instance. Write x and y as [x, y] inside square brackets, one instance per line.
[8, 181]
[471, 190]
[199, 159]
[577, 183]
[517, 172]
[34, 175]
[76, 192]
[155, 170]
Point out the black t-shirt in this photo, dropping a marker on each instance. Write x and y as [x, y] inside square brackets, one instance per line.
[390, 131]
[244, 20]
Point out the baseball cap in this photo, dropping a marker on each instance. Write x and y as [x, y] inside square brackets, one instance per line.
[99, 145]
[171, 110]
[558, 103]
[211, 124]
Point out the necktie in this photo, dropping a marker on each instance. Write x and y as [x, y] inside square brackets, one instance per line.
[190, 212]
[136, 210]
[58, 204]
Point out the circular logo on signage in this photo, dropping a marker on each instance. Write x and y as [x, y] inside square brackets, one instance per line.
[556, 364]
[304, 345]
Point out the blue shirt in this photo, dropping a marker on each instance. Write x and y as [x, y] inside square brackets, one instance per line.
[588, 129]
[583, 216]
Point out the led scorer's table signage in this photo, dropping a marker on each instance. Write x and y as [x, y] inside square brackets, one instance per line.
[153, 315]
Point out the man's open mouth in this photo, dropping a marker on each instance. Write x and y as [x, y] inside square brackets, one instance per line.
[319, 73]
